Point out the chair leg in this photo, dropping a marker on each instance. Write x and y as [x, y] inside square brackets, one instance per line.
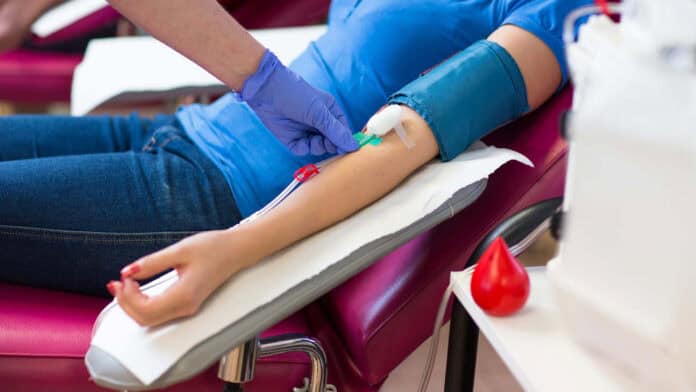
[237, 367]
[232, 387]
[461, 354]
[293, 343]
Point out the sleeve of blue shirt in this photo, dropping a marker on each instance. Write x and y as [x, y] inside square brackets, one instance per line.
[545, 19]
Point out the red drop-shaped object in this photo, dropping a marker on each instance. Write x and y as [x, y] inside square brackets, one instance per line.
[500, 284]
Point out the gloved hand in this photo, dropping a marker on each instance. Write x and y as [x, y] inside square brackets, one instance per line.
[306, 120]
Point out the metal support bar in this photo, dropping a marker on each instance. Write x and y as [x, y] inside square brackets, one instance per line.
[237, 366]
[461, 354]
[292, 343]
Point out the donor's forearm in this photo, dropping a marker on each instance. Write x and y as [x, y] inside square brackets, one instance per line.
[342, 188]
[358, 179]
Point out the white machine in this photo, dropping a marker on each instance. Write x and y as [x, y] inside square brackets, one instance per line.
[625, 275]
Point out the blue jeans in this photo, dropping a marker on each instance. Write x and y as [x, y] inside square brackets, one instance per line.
[82, 197]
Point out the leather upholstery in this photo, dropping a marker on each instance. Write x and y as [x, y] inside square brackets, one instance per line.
[28, 76]
[45, 334]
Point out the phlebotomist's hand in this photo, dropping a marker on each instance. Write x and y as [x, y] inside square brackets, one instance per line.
[306, 120]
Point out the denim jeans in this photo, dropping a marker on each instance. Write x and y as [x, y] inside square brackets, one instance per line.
[82, 197]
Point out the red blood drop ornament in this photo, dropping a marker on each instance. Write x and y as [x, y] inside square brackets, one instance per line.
[500, 284]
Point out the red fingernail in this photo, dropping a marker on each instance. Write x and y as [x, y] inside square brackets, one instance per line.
[111, 286]
[130, 270]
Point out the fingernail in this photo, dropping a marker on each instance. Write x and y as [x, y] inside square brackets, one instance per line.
[130, 270]
[111, 286]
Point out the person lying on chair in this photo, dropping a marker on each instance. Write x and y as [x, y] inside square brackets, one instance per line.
[82, 197]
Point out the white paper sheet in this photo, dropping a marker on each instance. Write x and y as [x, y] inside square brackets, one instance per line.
[148, 353]
[64, 15]
[132, 69]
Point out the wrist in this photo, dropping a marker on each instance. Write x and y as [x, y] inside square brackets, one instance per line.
[245, 245]
[247, 69]
[257, 79]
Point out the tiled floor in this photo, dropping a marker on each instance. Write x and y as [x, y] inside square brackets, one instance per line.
[491, 373]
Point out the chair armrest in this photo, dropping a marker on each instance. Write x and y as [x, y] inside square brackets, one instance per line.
[519, 230]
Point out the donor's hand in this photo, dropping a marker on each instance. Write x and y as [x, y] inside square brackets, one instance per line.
[203, 261]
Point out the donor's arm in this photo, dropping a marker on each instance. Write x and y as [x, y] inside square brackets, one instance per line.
[207, 260]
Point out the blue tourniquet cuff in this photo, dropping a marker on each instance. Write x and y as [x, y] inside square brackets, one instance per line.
[467, 96]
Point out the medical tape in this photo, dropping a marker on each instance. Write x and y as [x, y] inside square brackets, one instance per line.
[387, 120]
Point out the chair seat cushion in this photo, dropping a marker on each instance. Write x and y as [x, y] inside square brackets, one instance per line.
[44, 335]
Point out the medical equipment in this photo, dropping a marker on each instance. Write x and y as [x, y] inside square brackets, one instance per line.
[473, 92]
[383, 122]
[365, 139]
[301, 175]
[624, 277]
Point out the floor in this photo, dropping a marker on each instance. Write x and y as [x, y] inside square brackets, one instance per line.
[491, 373]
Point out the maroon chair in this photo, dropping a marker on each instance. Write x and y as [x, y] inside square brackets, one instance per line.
[361, 324]
[37, 75]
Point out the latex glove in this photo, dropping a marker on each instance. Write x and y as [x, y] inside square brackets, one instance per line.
[203, 261]
[306, 120]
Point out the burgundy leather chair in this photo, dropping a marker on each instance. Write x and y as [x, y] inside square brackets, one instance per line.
[367, 326]
[39, 73]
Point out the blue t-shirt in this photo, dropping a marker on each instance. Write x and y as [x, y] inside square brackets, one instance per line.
[371, 49]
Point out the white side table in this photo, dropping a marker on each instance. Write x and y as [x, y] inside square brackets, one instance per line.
[534, 344]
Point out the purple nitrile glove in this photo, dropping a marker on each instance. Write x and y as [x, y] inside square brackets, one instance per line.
[305, 119]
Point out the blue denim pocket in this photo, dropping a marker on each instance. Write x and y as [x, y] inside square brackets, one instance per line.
[162, 137]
